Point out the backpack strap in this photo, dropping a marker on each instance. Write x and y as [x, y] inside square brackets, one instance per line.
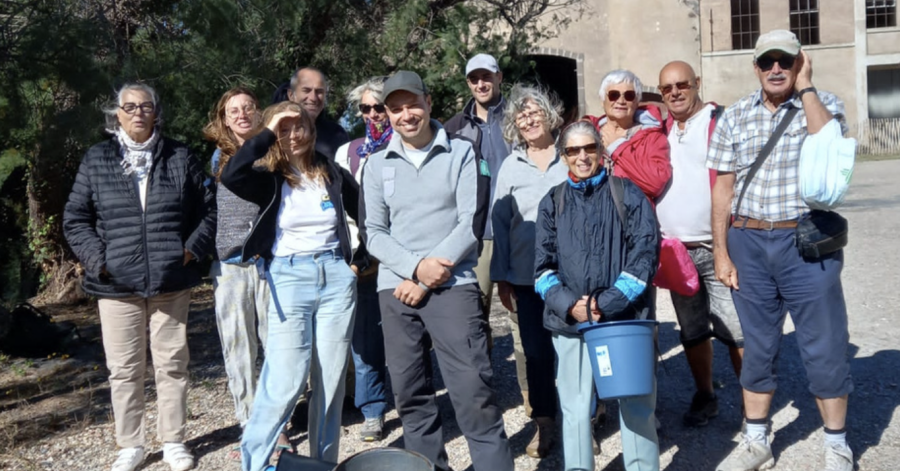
[617, 188]
[560, 197]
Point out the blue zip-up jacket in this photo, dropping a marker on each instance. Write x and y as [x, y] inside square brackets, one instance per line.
[586, 247]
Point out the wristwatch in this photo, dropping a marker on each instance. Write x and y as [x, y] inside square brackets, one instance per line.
[805, 90]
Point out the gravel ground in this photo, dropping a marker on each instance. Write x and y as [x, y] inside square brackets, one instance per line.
[68, 425]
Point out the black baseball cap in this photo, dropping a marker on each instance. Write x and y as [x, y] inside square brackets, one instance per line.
[404, 80]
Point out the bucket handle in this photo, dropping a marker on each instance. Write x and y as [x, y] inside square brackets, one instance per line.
[594, 296]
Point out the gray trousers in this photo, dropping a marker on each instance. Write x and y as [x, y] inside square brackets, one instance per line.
[452, 317]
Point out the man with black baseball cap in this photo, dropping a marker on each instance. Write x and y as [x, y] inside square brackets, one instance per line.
[425, 198]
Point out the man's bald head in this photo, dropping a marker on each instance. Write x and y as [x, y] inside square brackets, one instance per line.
[680, 89]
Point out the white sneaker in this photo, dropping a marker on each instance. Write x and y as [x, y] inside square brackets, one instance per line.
[128, 459]
[177, 456]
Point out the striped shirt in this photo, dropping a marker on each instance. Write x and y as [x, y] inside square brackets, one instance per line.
[741, 133]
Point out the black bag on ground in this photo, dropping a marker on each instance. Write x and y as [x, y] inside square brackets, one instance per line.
[288, 461]
[32, 333]
[820, 233]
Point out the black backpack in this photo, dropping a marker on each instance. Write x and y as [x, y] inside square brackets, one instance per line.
[29, 332]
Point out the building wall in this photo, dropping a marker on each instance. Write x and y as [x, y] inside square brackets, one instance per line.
[639, 35]
[883, 41]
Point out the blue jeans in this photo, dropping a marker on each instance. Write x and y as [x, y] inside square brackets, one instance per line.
[310, 323]
[575, 383]
[368, 352]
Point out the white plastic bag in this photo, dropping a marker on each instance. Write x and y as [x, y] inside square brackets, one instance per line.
[826, 165]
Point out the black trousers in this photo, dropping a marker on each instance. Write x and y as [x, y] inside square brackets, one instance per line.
[452, 317]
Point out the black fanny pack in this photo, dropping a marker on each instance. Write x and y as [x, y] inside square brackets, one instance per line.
[820, 233]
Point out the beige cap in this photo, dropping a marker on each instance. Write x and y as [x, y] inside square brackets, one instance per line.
[777, 40]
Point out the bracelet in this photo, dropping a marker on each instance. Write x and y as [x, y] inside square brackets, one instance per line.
[805, 90]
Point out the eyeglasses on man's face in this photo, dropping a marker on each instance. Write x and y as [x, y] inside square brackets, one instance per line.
[768, 61]
[682, 86]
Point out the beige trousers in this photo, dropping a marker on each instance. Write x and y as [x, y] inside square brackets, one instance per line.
[124, 322]
[483, 273]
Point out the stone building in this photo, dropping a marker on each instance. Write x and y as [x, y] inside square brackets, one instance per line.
[854, 45]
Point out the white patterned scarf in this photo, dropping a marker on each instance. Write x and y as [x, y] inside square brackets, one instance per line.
[137, 157]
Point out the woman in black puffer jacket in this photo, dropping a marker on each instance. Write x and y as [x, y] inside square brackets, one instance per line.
[138, 218]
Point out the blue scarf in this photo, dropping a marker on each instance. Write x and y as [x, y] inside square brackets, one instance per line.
[376, 135]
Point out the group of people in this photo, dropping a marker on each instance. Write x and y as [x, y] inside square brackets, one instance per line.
[376, 251]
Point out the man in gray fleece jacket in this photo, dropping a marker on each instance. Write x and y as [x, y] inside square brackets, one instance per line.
[426, 199]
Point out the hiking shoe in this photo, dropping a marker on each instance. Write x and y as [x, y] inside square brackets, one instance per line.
[372, 429]
[128, 459]
[750, 455]
[177, 456]
[704, 406]
[543, 438]
[838, 458]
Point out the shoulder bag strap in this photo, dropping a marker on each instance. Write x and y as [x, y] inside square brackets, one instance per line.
[764, 153]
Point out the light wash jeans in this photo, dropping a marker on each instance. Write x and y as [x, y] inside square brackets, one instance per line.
[242, 299]
[309, 335]
[575, 383]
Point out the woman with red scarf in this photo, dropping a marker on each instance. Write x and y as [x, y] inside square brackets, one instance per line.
[367, 345]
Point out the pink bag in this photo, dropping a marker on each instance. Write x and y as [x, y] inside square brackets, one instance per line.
[676, 269]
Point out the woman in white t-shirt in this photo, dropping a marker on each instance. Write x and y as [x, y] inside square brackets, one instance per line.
[302, 232]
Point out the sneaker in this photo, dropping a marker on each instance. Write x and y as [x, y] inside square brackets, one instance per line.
[838, 458]
[177, 456]
[128, 459]
[750, 455]
[371, 429]
[704, 406]
[543, 438]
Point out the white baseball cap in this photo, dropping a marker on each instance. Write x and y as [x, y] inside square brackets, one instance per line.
[482, 61]
[777, 40]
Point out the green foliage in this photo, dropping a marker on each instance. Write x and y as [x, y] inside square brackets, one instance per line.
[60, 60]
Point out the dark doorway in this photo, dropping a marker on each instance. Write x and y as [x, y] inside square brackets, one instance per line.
[559, 75]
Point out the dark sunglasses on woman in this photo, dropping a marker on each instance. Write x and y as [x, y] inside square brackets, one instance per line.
[613, 95]
[575, 151]
[365, 109]
[765, 63]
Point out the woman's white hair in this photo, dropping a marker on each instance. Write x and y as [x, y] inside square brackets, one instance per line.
[112, 108]
[374, 85]
[621, 76]
[518, 100]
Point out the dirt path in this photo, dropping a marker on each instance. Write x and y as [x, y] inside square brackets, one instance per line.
[54, 413]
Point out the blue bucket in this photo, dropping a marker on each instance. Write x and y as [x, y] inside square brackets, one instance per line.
[622, 356]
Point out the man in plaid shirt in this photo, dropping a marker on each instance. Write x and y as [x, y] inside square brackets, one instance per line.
[758, 249]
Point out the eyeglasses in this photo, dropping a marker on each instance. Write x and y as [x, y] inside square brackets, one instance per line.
[532, 116]
[667, 88]
[131, 108]
[365, 109]
[765, 63]
[613, 95]
[248, 110]
[575, 151]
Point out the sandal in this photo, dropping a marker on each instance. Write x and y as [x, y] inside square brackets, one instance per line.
[283, 445]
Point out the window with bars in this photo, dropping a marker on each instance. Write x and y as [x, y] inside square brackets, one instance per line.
[805, 20]
[881, 13]
[744, 23]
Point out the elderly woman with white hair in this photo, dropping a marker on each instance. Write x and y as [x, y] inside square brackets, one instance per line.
[590, 258]
[139, 217]
[367, 345]
[633, 135]
[531, 120]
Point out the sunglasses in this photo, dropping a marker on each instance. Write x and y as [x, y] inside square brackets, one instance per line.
[613, 95]
[765, 63]
[365, 109]
[575, 151]
[131, 108]
[667, 89]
